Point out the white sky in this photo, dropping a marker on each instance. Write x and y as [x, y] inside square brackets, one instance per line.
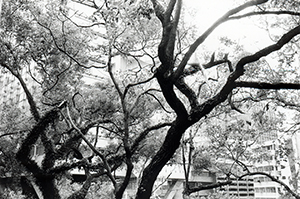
[245, 31]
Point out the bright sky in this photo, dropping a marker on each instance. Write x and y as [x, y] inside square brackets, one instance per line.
[245, 31]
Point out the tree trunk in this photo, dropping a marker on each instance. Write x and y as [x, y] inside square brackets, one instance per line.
[165, 153]
[27, 189]
[47, 186]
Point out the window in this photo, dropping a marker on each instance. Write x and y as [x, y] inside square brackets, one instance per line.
[270, 190]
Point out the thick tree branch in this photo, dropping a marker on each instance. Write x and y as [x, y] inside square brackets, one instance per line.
[188, 92]
[266, 85]
[168, 12]
[172, 34]
[189, 191]
[167, 87]
[23, 153]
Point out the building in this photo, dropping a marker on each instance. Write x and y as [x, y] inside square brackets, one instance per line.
[171, 182]
[242, 189]
[276, 164]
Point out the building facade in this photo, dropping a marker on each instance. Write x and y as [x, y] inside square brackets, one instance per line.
[274, 164]
[241, 189]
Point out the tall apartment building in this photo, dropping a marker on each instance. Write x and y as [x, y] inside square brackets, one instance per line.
[276, 164]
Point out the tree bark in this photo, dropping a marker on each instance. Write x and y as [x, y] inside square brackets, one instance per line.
[167, 150]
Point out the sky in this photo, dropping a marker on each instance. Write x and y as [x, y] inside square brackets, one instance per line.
[246, 31]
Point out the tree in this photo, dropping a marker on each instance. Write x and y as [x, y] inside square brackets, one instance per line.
[127, 29]
[170, 76]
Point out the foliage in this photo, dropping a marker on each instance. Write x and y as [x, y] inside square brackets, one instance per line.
[11, 194]
[147, 93]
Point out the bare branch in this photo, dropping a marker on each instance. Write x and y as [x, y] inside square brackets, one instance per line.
[147, 92]
[88, 3]
[12, 133]
[82, 26]
[65, 52]
[233, 107]
[214, 62]
[136, 84]
[57, 79]
[106, 165]
[110, 65]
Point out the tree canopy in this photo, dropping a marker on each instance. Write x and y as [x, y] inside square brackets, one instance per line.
[139, 75]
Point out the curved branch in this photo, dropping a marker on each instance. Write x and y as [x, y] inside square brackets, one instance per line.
[12, 133]
[232, 106]
[134, 105]
[24, 151]
[57, 79]
[162, 106]
[65, 52]
[136, 84]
